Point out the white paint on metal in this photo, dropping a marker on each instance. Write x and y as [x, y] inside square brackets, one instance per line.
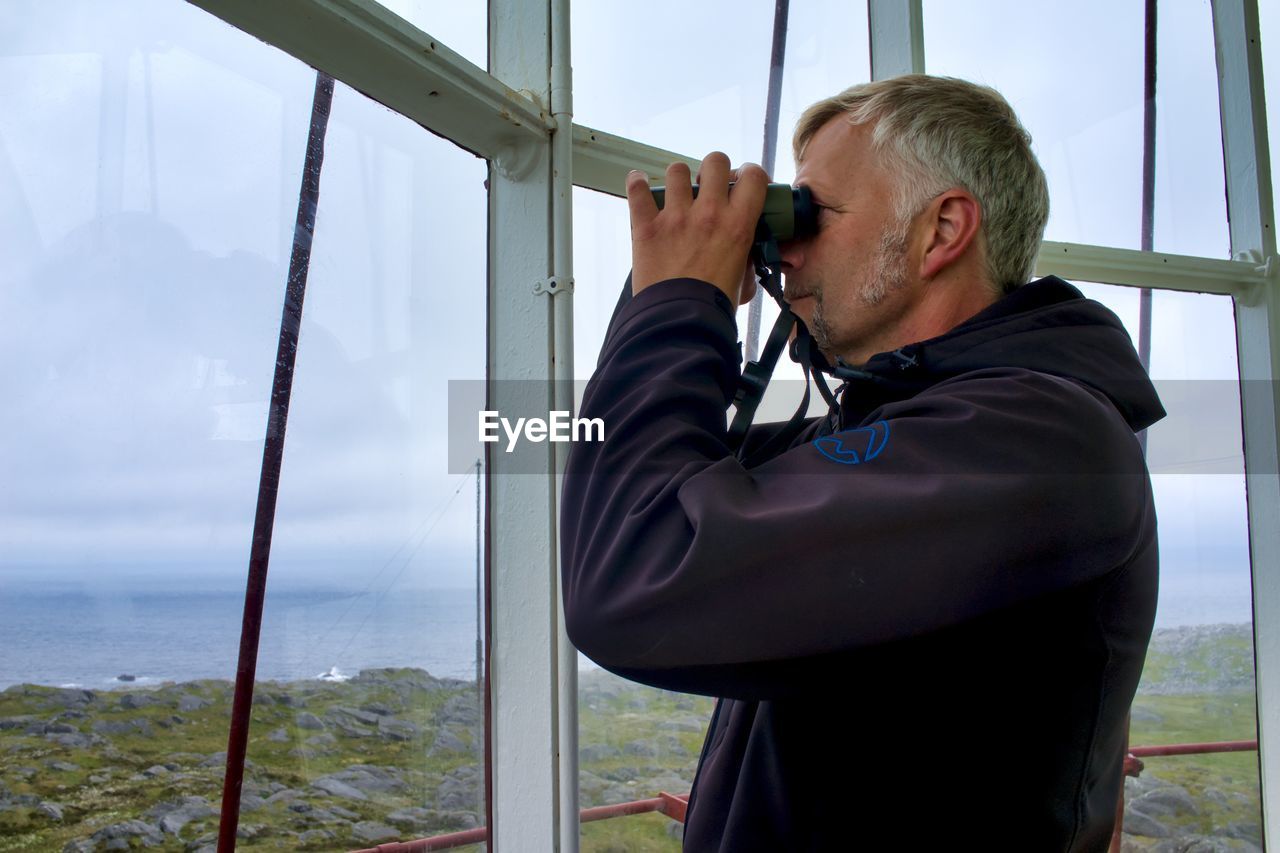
[897, 37]
[601, 160]
[523, 663]
[562, 391]
[1077, 262]
[373, 50]
[1249, 209]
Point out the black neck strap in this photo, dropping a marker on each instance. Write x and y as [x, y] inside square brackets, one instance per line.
[767, 259]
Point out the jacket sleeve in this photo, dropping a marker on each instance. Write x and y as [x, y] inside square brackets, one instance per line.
[685, 570]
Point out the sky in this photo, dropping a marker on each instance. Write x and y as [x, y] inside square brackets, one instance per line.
[149, 165]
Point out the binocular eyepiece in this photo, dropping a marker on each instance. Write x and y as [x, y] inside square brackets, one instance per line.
[788, 213]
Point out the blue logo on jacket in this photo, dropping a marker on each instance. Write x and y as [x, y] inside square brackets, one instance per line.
[854, 446]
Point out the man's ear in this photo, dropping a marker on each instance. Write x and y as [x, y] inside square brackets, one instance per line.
[952, 221]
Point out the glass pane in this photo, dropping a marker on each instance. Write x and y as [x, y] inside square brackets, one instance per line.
[1085, 118]
[1198, 683]
[710, 94]
[462, 27]
[634, 741]
[376, 539]
[150, 157]
[1269, 20]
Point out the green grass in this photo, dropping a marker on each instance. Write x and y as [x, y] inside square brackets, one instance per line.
[640, 740]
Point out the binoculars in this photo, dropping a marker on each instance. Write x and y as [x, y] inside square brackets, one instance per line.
[788, 213]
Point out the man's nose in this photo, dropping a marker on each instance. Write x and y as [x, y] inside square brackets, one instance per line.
[792, 252]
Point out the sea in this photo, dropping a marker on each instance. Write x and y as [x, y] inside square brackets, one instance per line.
[63, 635]
[62, 632]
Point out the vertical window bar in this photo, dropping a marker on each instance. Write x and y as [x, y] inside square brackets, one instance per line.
[896, 29]
[769, 156]
[1144, 296]
[1148, 186]
[272, 456]
[1246, 160]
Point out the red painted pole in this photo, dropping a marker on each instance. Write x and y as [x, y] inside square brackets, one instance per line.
[272, 457]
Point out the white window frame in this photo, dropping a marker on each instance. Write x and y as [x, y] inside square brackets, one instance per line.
[511, 117]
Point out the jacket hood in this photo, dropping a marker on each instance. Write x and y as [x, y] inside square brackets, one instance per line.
[1047, 326]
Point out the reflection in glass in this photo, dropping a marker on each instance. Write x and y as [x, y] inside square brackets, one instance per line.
[708, 92]
[1198, 683]
[1085, 118]
[150, 158]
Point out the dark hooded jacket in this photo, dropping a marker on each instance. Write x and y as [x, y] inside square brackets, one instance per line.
[926, 618]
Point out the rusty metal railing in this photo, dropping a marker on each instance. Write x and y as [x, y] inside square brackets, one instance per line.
[676, 806]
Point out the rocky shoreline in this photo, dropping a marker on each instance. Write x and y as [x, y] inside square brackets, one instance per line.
[394, 754]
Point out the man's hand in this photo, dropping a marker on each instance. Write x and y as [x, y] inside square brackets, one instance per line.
[707, 237]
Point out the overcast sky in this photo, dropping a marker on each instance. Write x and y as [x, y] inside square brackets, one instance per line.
[149, 166]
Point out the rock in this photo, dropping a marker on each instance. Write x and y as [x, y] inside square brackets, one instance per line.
[352, 714]
[172, 815]
[250, 831]
[1251, 832]
[372, 832]
[307, 720]
[119, 835]
[394, 729]
[1137, 823]
[140, 725]
[250, 802]
[459, 710]
[315, 836]
[219, 759]
[125, 677]
[1166, 802]
[155, 770]
[377, 708]
[364, 778]
[190, 702]
[460, 790]
[322, 739]
[62, 766]
[77, 740]
[280, 735]
[133, 701]
[9, 723]
[345, 814]
[60, 729]
[338, 788]
[350, 729]
[447, 741]
[68, 697]
[53, 811]
[286, 795]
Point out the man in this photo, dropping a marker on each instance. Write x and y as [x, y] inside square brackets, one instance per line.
[927, 617]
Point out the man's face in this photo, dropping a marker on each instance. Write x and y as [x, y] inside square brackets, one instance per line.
[850, 282]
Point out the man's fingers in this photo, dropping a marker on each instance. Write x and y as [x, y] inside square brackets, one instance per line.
[749, 189]
[748, 291]
[639, 200]
[713, 177]
[679, 187]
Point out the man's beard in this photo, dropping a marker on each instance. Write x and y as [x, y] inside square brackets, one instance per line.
[888, 273]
